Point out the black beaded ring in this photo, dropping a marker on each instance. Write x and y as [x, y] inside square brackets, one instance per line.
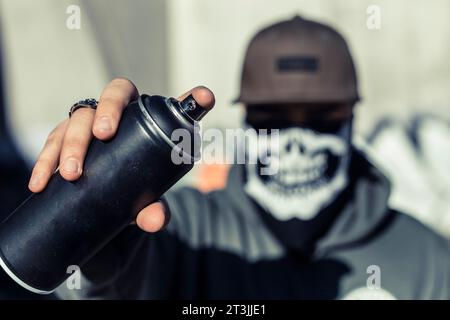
[86, 103]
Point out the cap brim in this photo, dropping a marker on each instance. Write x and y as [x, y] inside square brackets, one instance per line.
[271, 100]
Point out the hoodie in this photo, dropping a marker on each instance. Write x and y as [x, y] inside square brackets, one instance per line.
[219, 246]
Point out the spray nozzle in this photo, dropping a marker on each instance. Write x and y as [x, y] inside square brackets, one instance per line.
[192, 108]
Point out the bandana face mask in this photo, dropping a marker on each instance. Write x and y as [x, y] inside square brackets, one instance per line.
[310, 170]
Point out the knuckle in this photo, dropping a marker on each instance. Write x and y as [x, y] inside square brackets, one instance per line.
[43, 165]
[110, 99]
[119, 89]
[83, 114]
[113, 113]
[54, 134]
[72, 144]
[122, 81]
[52, 138]
[111, 107]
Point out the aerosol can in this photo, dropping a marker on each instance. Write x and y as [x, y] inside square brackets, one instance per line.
[69, 222]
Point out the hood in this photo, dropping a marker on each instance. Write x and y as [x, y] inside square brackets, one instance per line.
[363, 213]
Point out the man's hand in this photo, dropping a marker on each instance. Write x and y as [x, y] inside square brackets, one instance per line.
[67, 144]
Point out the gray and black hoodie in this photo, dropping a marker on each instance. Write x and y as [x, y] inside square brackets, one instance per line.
[220, 245]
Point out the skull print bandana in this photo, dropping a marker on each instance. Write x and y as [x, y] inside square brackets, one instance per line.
[311, 171]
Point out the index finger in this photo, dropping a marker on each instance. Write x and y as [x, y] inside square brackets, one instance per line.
[115, 97]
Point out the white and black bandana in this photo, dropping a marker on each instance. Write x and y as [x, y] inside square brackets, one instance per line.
[311, 169]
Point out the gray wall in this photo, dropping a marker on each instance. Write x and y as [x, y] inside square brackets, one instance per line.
[169, 46]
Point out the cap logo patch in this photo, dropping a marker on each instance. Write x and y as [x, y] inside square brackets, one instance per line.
[297, 64]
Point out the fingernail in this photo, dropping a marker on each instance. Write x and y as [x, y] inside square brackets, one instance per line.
[103, 124]
[71, 165]
[35, 180]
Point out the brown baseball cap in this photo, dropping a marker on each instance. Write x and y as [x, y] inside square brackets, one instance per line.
[298, 61]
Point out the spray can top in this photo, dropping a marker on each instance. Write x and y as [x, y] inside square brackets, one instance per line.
[171, 115]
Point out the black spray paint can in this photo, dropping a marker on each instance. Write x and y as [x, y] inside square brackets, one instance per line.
[69, 222]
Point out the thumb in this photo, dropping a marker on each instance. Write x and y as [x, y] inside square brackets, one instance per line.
[154, 217]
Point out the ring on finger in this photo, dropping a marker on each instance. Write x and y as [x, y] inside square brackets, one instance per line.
[86, 103]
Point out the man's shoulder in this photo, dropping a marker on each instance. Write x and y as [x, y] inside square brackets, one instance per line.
[418, 257]
[406, 228]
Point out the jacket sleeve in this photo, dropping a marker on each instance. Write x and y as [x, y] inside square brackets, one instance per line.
[435, 266]
[138, 265]
[443, 284]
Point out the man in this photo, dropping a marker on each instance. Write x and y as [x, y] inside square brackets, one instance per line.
[319, 228]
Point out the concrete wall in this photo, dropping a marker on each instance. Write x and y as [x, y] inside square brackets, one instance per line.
[169, 46]
[49, 67]
[404, 67]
